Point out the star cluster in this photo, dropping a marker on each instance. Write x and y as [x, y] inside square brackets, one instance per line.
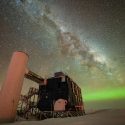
[84, 39]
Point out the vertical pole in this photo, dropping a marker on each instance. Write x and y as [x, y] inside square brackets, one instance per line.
[10, 93]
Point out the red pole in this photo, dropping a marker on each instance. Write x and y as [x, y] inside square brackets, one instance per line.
[10, 93]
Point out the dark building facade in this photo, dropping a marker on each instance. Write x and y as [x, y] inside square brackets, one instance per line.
[60, 93]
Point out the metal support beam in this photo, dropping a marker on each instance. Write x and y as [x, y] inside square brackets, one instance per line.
[34, 77]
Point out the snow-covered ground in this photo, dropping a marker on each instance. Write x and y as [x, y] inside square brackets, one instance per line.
[100, 117]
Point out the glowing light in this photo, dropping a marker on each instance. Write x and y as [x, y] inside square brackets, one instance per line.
[115, 93]
[100, 58]
[62, 28]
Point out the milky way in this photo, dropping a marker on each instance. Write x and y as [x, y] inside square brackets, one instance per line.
[84, 39]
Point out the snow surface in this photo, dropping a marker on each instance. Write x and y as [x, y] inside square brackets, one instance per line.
[100, 117]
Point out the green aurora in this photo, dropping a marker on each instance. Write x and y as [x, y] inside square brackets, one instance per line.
[114, 93]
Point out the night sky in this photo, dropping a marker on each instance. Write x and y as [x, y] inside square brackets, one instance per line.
[83, 38]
